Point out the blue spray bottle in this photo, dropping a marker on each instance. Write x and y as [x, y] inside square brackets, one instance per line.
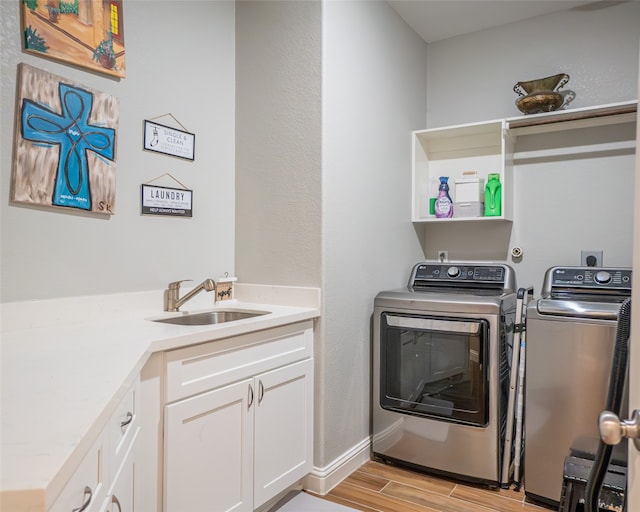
[444, 204]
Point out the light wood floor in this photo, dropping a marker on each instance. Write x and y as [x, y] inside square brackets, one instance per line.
[378, 487]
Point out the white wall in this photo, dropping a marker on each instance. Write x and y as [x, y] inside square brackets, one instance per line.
[179, 60]
[340, 222]
[561, 205]
[278, 141]
[374, 78]
[471, 77]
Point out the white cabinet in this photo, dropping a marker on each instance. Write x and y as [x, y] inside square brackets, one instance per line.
[104, 479]
[283, 427]
[483, 148]
[225, 425]
[208, 451]
[239, 430]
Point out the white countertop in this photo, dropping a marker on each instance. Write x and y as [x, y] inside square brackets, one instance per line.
[66, 363]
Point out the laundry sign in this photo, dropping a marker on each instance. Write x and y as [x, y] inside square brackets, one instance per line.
[176, 202]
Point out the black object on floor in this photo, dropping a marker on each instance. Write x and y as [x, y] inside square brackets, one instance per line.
[577, 467]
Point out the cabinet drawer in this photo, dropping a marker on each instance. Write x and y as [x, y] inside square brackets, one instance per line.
[198, 368]
[87, 485]
[123, 426]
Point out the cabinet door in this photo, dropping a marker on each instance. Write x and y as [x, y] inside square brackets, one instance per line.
[208, 456]
[283, 429]
[120, 498]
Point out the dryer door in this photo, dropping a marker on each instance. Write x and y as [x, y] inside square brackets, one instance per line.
[435, 367]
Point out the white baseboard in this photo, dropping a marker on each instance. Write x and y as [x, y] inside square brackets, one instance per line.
[322, 480]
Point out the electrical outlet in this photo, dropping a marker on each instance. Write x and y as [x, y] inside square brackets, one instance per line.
[443, 256]
[590, 258]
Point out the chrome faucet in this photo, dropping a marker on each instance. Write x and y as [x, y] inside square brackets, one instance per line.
[172, 300]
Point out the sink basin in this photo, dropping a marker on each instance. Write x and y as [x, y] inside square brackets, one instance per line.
[211, 317]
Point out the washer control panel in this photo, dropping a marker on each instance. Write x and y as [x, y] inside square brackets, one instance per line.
[591, 277]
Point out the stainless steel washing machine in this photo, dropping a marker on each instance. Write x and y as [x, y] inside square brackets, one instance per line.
[440, 369]
[570, 340]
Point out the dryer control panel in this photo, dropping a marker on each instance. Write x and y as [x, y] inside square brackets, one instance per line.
[463, 275]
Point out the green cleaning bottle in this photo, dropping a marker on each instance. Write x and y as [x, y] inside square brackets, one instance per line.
[493, 196]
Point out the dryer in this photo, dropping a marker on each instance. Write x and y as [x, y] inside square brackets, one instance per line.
[440, 369]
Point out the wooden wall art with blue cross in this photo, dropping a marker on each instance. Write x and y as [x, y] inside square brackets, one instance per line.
[65, 144]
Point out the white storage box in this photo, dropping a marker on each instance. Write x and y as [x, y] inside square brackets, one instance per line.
[469, 190]
[469, 209]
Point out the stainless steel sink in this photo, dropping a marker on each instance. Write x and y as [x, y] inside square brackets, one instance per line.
[211, 317]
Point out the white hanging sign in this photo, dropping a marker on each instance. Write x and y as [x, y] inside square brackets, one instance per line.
[175, 202]
[168, 140]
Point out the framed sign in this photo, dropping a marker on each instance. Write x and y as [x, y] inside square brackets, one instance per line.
[169, 141]
[175, 202]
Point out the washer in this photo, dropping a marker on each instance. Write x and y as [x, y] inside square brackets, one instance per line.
[570, 339]
[440, 369]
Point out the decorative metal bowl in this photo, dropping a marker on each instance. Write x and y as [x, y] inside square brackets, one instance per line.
[541, 95]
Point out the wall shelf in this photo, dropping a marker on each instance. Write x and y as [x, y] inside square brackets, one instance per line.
[484, 148]
[602, 115]
[488, 147]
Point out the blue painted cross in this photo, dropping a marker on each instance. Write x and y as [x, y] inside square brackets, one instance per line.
[74, 135]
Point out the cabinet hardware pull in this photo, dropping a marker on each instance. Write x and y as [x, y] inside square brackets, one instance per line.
[127, 421]
[260, 391]
[250, 396]
[115, 501]
[87, 491]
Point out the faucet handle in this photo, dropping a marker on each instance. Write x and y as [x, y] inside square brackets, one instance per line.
[175, 285]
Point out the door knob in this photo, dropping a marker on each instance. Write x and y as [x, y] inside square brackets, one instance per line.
[612, 430]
